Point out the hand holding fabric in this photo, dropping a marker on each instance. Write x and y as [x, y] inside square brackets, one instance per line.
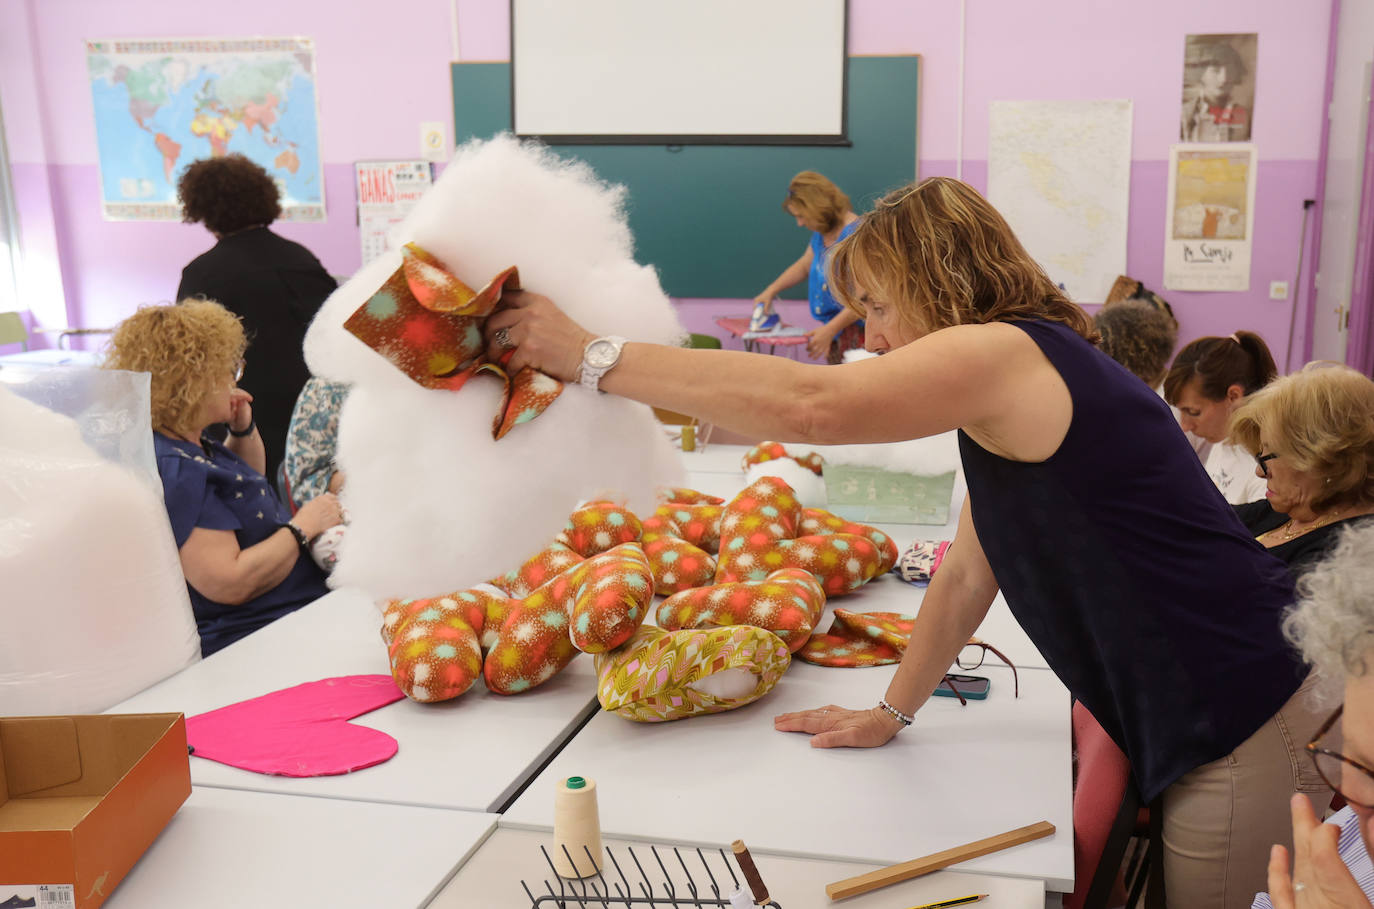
[542, 335]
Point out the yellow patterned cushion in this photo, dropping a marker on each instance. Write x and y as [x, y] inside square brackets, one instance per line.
[651, 678]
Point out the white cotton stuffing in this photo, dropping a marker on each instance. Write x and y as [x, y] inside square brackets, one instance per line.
[809, 488]
[924, 457]
[435, 504]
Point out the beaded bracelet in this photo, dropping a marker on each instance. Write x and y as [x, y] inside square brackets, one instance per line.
[903, 718]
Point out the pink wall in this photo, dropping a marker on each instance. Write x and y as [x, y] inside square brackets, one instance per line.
[378, 79]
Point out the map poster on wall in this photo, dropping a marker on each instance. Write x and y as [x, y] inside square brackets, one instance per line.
[1211, 217]
[387, 191]
[161, 104]
[1060, 173]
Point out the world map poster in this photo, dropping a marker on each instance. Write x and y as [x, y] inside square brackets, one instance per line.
[161, 104]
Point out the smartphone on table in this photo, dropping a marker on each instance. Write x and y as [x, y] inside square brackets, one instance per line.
[972, 687]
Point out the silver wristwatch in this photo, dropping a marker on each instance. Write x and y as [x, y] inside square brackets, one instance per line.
[598, 357]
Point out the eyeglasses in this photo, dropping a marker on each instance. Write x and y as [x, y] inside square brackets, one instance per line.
[238, 371]
[1262, 460]
[1351, 780]
[972, 657]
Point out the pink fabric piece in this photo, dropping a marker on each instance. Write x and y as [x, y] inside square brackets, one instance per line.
[301, 731]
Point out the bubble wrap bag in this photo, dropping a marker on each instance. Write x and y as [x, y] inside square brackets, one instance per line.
[93, 602]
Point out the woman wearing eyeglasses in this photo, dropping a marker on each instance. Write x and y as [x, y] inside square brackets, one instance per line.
[1312, 438]
[1333, 626]
[243, 554]
[1138, 584]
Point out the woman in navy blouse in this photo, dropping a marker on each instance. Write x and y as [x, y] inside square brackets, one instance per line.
[243, 554]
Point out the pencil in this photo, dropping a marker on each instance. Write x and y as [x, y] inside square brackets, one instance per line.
[957, 901]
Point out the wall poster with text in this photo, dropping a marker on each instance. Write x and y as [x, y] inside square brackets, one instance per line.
[1210, 225]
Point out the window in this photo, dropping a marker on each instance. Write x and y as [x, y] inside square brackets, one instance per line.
[9, 232]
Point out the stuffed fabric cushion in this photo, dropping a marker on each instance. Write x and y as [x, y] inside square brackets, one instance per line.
[788, 603]
[656, 676]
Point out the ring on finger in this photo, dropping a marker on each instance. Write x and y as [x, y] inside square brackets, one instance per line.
[502, 338]
[1299, 886]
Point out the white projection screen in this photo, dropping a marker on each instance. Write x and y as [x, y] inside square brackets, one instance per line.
[679, 71]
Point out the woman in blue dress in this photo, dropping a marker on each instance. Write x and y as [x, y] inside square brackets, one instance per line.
[822, 208]
[243, 553]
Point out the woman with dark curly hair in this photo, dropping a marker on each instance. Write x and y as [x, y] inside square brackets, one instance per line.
[1140, 334]
[274, 285]
[243, 554]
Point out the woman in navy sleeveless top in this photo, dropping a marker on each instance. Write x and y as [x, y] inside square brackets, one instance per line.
[1087, 507]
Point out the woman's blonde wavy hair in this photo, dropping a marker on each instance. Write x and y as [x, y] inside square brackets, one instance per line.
[1320, 420]
[188, 347]
[944, 256]
[814, 198]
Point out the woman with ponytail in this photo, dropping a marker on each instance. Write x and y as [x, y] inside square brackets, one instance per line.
[1208, 381]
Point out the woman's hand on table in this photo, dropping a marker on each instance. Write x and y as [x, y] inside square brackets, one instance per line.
[1319, 879]
[838, 727]
[818, 341]
[240, 410]
[537, 334]
[319, 514]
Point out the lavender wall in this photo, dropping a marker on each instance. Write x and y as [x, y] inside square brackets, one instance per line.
[380, 77]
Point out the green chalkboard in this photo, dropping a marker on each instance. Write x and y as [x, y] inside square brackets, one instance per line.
[709, 217]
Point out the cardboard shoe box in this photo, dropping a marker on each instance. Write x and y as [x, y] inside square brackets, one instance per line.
[82, 798]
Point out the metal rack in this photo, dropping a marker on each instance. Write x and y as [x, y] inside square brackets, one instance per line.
[593, 891]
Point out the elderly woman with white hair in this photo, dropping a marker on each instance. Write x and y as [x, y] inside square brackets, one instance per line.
[1333, 626]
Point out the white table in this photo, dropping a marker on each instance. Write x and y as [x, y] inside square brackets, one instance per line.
[227, 849]
[960, 774]
[471, 753]
[492, 877]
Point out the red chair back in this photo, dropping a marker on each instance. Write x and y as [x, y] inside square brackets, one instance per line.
[1105, 806]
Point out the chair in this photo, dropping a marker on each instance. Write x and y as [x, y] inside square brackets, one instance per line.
[1105, 809]
[12, 330]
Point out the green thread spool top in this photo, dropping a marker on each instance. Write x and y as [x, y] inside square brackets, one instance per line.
[576, 782]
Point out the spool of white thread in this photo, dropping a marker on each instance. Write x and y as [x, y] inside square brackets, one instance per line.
[576, 826]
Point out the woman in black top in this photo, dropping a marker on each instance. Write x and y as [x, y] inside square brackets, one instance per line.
[1312, 434]
[273, 285]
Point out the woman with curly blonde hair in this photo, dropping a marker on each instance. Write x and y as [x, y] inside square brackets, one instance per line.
[1138, 584]
[1312, 437]
[241, 550]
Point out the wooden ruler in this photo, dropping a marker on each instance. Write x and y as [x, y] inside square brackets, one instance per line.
[905, 871]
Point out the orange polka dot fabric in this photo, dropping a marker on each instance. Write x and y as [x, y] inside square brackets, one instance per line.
[593, 607]
[788, 603]
[819, 521]
[761, 532]
[772, 451]
[598, 526]
[681, 540]
[591, 529]
[439, 646]
[682, 496]
[651, 679]
[428, 324]
[434, 645]
[860, 639]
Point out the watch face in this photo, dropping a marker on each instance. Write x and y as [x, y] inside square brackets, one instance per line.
[602, 354]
